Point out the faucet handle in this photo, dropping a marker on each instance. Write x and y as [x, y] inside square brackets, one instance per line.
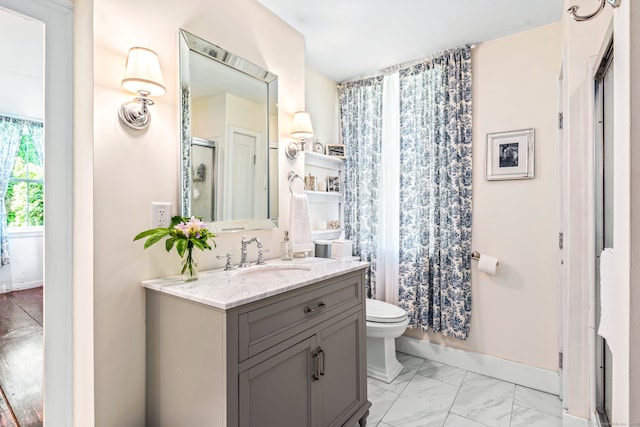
[228, 266]
[260, 260]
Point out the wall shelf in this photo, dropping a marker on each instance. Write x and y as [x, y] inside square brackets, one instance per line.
[324, 195]
[325, 206]
[322, 160]
[326, 234]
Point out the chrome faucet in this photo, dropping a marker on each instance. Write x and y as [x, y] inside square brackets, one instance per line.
[244, 259]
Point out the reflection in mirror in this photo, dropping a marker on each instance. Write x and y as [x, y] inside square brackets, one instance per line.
[229, 169]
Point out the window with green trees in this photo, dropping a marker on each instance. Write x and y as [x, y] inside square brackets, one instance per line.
[24, 199]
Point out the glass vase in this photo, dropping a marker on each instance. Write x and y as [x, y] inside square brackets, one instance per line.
[189, 267]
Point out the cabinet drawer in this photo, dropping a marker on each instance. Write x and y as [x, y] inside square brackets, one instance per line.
[267, 325]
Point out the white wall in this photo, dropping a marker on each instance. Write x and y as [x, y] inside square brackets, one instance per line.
[321, 96]
[26, 269]
[132, 169]
[21, 81]
[515, 312]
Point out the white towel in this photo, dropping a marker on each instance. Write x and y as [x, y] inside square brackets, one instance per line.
[606, 327]
[300, 223]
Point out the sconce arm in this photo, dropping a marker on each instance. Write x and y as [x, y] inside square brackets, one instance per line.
[135, 114]
[572, 11]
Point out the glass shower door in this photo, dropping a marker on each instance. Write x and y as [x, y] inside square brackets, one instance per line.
[604, 217]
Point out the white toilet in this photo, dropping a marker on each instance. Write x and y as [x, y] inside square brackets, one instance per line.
[385, 323]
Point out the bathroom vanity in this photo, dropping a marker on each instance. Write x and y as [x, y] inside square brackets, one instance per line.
[279, 345]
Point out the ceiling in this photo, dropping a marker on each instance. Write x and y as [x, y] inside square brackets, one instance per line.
[346, 39]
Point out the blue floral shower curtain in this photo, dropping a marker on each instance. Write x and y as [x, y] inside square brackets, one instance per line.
[361, 131]
[435, 193]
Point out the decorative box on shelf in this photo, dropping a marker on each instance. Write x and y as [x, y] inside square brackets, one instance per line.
[341, 249]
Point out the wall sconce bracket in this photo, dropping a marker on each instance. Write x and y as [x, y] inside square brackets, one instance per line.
[135, 114]
[294, 148]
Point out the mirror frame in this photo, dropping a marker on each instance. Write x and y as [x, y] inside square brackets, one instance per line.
[188, 43]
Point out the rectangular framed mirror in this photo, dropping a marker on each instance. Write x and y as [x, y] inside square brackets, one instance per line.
[228, 137]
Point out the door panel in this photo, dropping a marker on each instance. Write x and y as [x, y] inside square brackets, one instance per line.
[339, 373]
[278, 391]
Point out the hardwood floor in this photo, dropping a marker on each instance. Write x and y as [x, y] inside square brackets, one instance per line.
[21, 353]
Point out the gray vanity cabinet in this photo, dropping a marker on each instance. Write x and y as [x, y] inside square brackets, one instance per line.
[295, 359]
[316, 382]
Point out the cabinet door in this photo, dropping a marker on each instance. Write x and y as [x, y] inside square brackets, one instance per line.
[279, 391]
[342, 383]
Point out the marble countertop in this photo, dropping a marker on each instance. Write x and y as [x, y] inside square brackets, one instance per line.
[228, 289]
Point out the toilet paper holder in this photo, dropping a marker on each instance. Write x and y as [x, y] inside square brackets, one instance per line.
[475, 255]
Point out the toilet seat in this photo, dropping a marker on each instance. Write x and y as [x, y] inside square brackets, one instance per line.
[383, 312]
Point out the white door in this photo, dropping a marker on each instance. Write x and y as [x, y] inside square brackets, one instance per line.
[242, 173]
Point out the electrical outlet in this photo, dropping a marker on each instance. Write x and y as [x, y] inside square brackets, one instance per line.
[160, 214]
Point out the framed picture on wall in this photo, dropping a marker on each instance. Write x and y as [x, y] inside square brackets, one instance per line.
[335, 150]
[510, 155]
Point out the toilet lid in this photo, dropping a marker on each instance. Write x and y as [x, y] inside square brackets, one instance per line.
[383, 312]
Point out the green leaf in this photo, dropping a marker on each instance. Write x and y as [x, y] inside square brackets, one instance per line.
[153, 232]
[153, 240]
[181, 247]
[145, 234]
[198, 244]
[169, 243]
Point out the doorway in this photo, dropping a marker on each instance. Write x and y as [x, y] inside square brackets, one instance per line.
[22, 208]
[57, 19]
[604, 217]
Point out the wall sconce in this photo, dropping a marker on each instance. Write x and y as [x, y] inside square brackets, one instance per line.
[144, 77]
[302, 130]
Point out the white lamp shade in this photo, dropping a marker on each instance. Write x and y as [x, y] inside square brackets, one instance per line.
[302, 125]
[143, 72]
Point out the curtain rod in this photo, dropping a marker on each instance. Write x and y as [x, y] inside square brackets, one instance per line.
[395, 68]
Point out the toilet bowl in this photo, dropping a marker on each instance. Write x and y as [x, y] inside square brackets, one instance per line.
[385, 323]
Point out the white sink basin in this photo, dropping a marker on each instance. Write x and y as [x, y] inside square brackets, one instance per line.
[274, 271]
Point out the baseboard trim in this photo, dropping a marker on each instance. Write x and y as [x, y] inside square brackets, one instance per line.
[5, 288]
[506, 370]
[573, 421]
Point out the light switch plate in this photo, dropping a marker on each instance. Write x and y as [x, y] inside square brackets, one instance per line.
[160, 214]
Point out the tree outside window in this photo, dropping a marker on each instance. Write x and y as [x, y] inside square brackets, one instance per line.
[24, 199]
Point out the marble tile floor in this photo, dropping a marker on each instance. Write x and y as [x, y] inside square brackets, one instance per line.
[428, 393]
